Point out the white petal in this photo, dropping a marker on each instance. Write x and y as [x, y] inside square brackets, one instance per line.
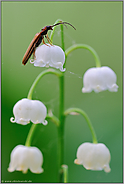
[47, 55]
[24, 158]
[57, 57]
[93, 156]
[19, 159]
[42, 56]
[21, 111]
[99, 79]
[38, 112]
[27, 110]
[36, 158]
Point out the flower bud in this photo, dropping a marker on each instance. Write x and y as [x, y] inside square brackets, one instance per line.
[47, 55]
[24, 158]
[99, 79]
[93, 156]
[26, 110]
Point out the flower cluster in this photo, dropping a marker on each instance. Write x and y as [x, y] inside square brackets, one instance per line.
[97, 79]
[92, 156]
[26, 110]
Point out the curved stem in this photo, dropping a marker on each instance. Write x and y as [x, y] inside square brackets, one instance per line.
[54, 119]
[30, 134]
[62, 38]
[32, 129]
[49, 71]
[84, 46]
[52, 33]
[70, 110]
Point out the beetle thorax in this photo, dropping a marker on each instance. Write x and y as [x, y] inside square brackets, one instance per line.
[45, 29]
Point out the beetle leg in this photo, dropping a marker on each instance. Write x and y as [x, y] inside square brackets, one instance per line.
[34, 57]
[44, 42]
[48, 39]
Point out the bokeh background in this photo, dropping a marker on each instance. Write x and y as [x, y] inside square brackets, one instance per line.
[98, 24]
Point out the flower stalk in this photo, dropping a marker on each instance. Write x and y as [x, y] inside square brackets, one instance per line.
[48, 71]
[53, 31]
[30, 135]
[61, 128]
[70, 110]
[62, 119]
[84, 46]
[35, 113]
[53, 118]
[65, 173]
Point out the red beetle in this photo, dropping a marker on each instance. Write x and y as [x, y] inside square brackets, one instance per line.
[38, 38]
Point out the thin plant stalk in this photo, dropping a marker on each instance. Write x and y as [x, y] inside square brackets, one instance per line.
[87, 47]
[80, 111]
[61, 119]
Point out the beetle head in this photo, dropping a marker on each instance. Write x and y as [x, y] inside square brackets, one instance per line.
[49, 27]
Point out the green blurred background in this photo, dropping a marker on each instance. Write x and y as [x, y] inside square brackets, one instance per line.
[98, 24]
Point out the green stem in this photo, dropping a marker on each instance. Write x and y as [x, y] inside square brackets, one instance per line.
[61, 119]
[84, 46]
[65, 173]
[70, 110]
[62, 38]
[54, 119]
[30, 134]
[33, 127]
[52, 33]
[49, 71]
[61, 129]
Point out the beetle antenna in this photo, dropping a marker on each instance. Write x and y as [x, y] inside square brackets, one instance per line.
[69, 24]
[64, 24]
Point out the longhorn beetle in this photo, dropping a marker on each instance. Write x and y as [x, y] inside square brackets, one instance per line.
[38, 38]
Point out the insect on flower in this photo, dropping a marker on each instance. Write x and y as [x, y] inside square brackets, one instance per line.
[38, 38]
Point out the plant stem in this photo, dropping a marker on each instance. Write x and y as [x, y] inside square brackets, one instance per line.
[70, 110]
[53, 118]
[52, 33]
[62, 38]
[30, 134]
[65, 173]
[84, 46]
[33, 127]
[49, 71]
[61, 129]
[61, 119]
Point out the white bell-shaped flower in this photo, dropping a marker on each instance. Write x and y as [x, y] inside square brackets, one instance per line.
[47, 55]
[93, 156]
[26, 110]
[99, 79]
[24, 158]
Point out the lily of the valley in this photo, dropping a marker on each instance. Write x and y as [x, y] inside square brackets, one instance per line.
[26, 110]
[99, 79]
[49, 55]
[24, 158]
[93, 156]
